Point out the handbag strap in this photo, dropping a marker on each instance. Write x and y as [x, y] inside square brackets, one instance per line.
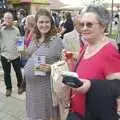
[82, 51]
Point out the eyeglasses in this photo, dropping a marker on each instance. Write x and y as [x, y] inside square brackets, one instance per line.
[87, 24]
[42, 22]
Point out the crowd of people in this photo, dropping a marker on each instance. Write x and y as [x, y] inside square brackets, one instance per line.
[96, 61]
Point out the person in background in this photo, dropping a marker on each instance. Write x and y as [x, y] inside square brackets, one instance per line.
[101, 61]
[44, 49]
[21, 14]
[29, 26]
[9, 53]
[56, 19]
[67, 26]
[118, 34]
[116, 19]
[71, 40]
[62, 21]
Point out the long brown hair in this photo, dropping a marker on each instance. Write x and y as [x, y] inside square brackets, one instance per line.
[37, 34]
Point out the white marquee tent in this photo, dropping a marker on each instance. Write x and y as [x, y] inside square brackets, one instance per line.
[55, 4]
[77, 4]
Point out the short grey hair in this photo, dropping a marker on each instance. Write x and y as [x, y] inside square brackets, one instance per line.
[101, 13]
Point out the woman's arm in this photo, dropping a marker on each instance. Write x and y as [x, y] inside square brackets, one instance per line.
[29, 51]
[113, 76]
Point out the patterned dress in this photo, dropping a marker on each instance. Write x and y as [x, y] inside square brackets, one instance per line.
[38, 89]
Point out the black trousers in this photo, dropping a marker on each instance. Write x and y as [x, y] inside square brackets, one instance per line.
[6, 64]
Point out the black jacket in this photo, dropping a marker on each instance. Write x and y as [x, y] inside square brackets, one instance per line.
[101, 100]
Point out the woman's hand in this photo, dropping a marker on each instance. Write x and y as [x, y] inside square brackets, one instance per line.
[85, 87]
[3, 24]
[44, 68]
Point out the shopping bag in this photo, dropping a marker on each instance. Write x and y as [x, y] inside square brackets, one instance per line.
[60, 92]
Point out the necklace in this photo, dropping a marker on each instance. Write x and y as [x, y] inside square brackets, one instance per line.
[39, 42]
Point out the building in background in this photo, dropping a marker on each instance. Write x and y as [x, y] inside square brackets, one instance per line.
[31, 6]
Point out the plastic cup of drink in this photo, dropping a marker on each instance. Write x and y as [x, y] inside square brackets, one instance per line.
[68, 55]
[20, 43]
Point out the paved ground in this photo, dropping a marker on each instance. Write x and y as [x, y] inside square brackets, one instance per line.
[11, 108]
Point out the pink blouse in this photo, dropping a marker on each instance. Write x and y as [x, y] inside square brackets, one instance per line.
[28, 39]
[105, 62]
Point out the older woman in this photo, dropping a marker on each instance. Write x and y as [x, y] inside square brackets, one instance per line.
[44, 49]
[100, 61]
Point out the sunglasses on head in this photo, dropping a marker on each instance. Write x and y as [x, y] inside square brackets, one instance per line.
[87, 24]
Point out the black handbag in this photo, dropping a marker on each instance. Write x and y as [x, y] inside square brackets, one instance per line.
[72, 81]
[74, 116]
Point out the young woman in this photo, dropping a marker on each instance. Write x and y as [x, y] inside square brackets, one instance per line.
[44, 49]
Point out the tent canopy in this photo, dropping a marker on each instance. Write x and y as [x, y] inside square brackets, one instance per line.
[55, 4]
[77, 4]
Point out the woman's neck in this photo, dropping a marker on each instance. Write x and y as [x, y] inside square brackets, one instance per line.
[42, 39]
[96, 41]
[95, 47]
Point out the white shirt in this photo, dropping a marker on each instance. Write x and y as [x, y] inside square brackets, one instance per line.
[71, 41]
